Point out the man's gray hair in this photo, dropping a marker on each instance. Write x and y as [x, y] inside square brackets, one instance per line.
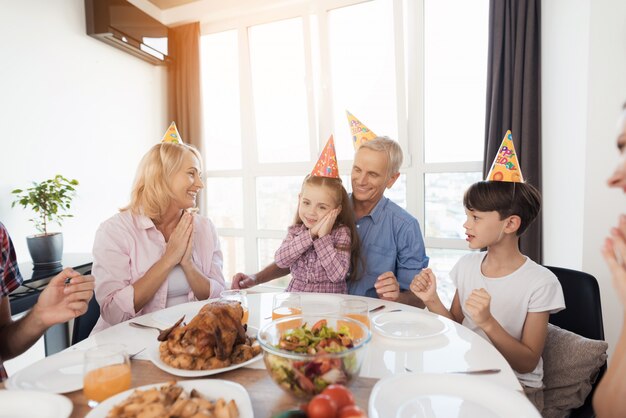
[391, 147]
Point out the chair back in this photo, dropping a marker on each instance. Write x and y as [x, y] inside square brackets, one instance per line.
[85, 323]
[583, 316]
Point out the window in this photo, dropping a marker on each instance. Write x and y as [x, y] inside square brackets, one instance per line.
[277, 84]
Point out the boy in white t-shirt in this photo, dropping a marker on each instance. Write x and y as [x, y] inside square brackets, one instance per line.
[501, 294]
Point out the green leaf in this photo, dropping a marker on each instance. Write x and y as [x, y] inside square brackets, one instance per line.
[48, 199]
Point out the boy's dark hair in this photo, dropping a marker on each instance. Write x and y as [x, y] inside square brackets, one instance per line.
[506, 198]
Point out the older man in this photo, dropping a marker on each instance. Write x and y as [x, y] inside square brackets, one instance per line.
[64, 298]
[392, 248]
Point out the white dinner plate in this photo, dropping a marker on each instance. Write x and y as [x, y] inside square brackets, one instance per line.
[408, 325]
[33, 404]
[424, 395]
[209, 388]
[59, 373]
[153, 354]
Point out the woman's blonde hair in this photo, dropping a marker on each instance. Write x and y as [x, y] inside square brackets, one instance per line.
[151, 194]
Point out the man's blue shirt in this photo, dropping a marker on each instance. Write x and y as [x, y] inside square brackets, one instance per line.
[391, 240]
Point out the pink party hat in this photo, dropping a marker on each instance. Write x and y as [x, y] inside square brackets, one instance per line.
[327, 163]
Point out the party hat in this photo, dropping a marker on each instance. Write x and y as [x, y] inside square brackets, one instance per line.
[360, 133]
[172, 135]
[505, 166]
[327, 163]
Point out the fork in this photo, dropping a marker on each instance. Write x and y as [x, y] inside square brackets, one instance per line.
[132, 356]
[138, 325]
[475, 371]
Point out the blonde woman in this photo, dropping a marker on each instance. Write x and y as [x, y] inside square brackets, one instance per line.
[609, 399]
[156, 252]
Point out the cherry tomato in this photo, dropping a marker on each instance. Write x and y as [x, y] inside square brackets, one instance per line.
[351, 411]
[321, 406]
[340, 394]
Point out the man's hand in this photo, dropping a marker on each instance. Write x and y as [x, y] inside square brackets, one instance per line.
[243, 281]
[477, 307]
[424, 286]
[63, 299]
[387, 286]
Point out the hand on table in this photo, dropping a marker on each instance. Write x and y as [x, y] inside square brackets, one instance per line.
[387, 286]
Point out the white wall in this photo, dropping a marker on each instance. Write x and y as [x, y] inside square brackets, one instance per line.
[73, 105]
[584, 86]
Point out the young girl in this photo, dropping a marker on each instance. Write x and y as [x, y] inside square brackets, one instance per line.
[322, 245]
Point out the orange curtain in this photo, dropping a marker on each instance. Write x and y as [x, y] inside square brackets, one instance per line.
[183, 82]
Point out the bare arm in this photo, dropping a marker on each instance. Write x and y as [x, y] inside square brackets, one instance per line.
[199, 283]
[271, 272]
[57, 303]
[146, 287]
[523, 355]
[408, 298]
[424, 287]
[609, 400]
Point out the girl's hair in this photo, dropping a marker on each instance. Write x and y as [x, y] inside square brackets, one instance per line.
[345, 217]
[151, 194]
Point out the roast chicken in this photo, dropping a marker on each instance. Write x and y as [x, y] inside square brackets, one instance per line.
[213, 339]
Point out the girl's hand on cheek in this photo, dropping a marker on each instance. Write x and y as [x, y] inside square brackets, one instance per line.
[327, 223]
[315, 229]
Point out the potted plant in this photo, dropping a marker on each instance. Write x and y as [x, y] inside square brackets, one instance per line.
[49, 200]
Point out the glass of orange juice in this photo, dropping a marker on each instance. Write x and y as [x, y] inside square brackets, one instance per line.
[286, 304]
[355, 309]
[106, 372]
[240, 296]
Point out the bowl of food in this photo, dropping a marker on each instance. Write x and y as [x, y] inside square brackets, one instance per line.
[304, 353]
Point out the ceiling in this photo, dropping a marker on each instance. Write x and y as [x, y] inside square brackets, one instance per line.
[168, 4]
[178, 12]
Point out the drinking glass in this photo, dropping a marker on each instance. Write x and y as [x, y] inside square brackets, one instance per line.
[106, 372]
[286, 304]
[240, 296]
[355, 309]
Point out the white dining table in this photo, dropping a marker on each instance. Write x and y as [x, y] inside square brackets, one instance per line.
[455, 348]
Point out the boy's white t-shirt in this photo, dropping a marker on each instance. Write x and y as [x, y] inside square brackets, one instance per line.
[531, 288]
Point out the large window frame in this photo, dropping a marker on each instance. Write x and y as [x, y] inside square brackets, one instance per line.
[408, 27]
